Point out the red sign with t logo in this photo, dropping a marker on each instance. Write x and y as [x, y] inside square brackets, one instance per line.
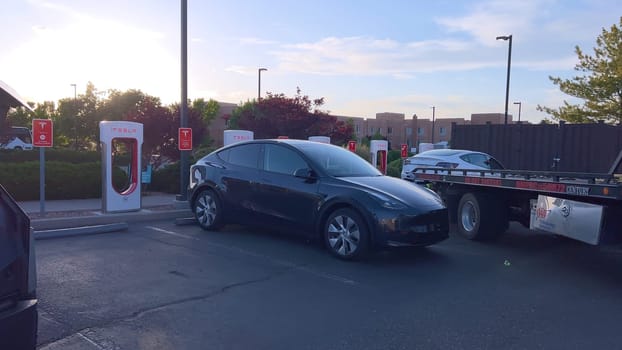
[404, 151]
[352, 146]
[185, 139]
[42, 133]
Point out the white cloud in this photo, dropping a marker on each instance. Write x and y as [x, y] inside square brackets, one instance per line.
[243, 70]
[256, 41]
[566, 63]
[490, 19]
[370, 56]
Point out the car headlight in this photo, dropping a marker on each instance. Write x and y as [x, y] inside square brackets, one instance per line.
[387, 201]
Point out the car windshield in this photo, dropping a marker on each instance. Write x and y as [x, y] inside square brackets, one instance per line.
[338, 161]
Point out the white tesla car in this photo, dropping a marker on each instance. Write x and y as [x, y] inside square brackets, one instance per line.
[450, 159]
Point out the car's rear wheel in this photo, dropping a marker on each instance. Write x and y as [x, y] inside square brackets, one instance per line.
[207, 210]
[346, 235]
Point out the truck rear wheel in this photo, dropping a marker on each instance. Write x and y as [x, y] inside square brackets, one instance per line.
[481, 216]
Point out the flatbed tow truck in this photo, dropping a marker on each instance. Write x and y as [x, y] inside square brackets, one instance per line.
[582, 206]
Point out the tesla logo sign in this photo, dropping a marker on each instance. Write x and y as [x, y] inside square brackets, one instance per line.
[352, 146]
[404, 151]
[185, 139]
[42, 132]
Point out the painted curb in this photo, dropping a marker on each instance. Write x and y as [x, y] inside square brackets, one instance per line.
[185, 221]
[79, 231]
[104, 219]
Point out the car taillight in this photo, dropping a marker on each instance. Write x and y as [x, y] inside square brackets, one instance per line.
[447, 165]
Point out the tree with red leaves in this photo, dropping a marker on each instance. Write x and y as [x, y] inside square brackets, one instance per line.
[160, 126]
[297, 117]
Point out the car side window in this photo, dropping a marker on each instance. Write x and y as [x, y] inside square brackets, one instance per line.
[479, 160]
[244, 155]
[494, 164]
[282, 160]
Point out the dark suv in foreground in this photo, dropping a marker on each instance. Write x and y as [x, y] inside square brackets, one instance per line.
[18, 303]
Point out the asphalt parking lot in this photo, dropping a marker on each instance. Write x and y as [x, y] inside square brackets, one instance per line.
[162, 286]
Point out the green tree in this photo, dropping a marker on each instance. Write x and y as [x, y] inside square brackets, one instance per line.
[118, 104]
[599, 85]
[19, 116]
[78, 120]
[208, 110]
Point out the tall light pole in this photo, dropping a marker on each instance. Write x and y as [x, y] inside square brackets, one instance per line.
[259, 83]
[75, 119]
[433, 118]
[184, 171]
[519, 106]
[507, 84]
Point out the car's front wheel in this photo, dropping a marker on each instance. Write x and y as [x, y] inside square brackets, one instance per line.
[207, 210]
[346, 235]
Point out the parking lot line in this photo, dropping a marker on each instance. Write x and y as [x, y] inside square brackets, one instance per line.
[289, 264]
[171, 233]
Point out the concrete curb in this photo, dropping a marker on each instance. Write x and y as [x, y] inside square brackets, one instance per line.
[79, 231]
[105, 219]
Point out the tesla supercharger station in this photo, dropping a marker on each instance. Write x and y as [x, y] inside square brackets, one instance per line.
[378, 149]
[233, 136]
[322, 139]
[115, 137]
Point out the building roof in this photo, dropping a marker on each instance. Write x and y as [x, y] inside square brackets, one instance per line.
[10, 98]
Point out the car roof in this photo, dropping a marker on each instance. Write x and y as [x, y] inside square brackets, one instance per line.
[293, 142]
[446, 152]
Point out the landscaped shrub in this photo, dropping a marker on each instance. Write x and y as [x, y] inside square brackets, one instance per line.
[51, 154]
[166, 179]
[62, 180]
[393, 155]
[394, 168]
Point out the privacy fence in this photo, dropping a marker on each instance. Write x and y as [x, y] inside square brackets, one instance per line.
[585, 148]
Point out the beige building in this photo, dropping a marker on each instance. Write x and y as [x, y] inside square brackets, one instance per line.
[220, 123]
[399, 130]
[492, 118]
[394, 126]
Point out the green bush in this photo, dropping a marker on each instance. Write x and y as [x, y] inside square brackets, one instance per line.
[393, 155]
[394, 168]
[62, 180]
[166, 179]
[51, 154]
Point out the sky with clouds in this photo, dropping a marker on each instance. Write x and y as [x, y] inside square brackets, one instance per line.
[363, 56]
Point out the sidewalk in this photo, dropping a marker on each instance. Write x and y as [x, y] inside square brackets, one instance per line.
[60, 214]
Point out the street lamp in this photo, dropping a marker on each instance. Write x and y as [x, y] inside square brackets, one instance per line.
[507, 84]
[519, 106]
[259, 83]
[184, 168]
[433, 118]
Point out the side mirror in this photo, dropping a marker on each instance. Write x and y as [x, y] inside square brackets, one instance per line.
[305, 173]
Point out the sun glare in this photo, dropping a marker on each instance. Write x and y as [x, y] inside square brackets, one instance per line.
[109, 54]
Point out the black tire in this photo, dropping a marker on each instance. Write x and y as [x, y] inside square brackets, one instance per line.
[481, 216]
[346, 235]
[207, 210]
